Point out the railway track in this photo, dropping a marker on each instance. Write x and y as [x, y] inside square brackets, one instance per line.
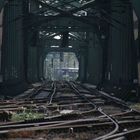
[71, 111]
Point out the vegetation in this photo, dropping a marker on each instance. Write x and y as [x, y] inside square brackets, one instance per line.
[135, 106]
[26, 116]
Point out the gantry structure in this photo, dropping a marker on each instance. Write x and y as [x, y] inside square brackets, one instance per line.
[101, 33]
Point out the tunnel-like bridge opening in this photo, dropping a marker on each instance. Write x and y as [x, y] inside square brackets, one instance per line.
[61, 66]
[70, 69]
[103, 34]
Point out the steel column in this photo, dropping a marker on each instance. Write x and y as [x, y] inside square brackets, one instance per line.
[120, 61]
[94, 63]
[12, 53]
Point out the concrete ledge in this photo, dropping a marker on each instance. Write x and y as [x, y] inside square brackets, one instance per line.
[12, 89]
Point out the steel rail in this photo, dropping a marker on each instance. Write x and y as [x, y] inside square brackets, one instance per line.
[54, 92]
[127, 134]
[100, 110]
[112, 132]
[60, 122]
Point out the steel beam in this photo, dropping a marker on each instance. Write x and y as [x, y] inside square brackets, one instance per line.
[51, 40]
[139, 54]
[2, 4]
[48, 49]
[84, 6]
[70, 13]
[62, 29]
[63, 17]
